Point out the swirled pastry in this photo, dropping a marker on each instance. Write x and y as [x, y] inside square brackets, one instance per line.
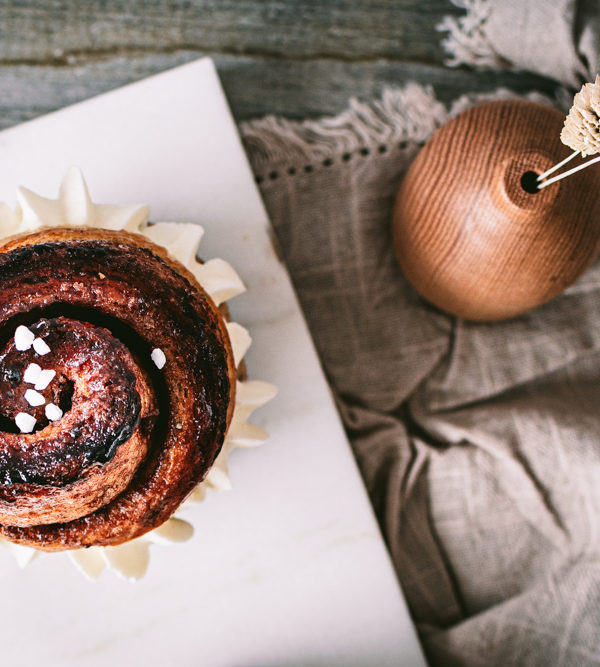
[134, 440]
[118, 375]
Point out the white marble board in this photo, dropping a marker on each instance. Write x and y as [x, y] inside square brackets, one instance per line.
[288, 568]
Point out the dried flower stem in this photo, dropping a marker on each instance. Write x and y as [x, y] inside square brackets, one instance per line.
[541, 177]
[568, 173]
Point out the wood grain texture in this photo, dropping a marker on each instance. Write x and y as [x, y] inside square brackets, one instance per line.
[34, 31]
[296, 58]
[254, 86]
[468, 235]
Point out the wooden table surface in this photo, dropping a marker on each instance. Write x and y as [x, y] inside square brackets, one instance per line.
[297, 58]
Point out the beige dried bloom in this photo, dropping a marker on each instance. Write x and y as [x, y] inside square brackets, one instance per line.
[582, 126]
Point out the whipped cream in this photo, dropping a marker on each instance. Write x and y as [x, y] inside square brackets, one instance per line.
[74, 207]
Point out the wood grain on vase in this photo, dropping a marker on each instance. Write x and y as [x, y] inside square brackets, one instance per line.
[467, 232]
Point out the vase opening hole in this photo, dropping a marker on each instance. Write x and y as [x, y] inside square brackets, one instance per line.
[529, 182]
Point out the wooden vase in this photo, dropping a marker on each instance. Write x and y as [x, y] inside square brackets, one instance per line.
[470, 231]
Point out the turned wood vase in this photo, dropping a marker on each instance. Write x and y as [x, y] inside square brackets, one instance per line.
[471, 231]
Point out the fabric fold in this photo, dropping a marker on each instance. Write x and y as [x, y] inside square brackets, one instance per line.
[478, 443]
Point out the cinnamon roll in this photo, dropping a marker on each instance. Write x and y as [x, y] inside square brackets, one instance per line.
[118, 376]
[133, 440]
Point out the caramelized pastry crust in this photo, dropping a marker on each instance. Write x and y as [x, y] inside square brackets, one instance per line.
[133, 440]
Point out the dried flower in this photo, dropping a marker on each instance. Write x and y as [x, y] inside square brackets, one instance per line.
[581, 132]
[582, 126]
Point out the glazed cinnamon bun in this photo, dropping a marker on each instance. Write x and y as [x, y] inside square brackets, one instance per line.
[133, 440]
[118, 379]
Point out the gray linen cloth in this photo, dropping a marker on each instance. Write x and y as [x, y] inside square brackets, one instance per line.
[479, 443]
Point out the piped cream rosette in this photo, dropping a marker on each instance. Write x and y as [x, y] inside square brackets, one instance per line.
[75, 208]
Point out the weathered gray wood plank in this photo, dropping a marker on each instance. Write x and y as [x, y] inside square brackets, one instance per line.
[321, 87]
[34, 31]
[255, 86]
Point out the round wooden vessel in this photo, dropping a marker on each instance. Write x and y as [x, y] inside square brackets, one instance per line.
[470, 230]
